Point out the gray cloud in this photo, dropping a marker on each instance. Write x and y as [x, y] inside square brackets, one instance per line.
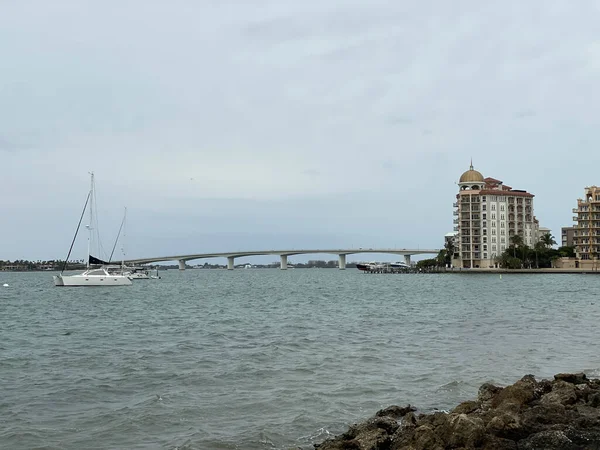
[303, 103]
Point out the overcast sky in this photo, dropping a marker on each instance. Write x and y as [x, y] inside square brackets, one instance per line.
[259, 124]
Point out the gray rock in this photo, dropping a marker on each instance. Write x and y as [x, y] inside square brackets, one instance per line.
[563, 413]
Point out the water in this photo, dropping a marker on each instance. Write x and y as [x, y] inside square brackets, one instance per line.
[269, 359]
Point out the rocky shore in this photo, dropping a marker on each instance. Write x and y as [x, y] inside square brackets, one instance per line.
[559, 414]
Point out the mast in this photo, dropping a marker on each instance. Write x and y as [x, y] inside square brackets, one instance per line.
[122, 227]
[89, 227]
[124, 236]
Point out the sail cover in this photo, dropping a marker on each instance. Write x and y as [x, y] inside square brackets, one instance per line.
[94, 260]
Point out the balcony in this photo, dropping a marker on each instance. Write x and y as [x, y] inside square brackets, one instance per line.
[455, 221]
[455, 228]
[574, 218]
[455, 213]
[575, 210]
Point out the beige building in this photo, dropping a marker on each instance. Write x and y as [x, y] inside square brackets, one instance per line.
[487, 215]
[586, 236]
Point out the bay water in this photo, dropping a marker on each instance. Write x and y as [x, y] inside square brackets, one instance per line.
[270, 359]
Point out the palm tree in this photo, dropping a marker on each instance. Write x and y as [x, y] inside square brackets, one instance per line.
[516, 241]
[548, 240]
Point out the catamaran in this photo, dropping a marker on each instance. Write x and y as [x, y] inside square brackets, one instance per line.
[99, 274]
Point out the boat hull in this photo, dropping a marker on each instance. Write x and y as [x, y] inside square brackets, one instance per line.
[138, 276]
[91, 280]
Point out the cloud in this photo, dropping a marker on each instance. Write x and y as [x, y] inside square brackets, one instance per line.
[291, 101]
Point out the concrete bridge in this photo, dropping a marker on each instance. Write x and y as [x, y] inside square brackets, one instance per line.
[283, 254]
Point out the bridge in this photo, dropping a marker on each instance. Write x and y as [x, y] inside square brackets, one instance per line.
[283, 254]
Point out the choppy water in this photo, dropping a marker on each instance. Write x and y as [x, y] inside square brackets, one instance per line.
[269, 359]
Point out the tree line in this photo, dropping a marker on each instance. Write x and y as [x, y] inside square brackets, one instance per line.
[517, 255]
[53, 264]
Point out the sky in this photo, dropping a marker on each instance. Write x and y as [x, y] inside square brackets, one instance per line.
[228, 125]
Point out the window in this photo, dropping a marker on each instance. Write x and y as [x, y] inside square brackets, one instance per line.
[485, 256]
[502, 240]
[493, 224]
[493, 231]
[501, 207]
[493, 248]
[493, 207]
[484, 224]
[502, 216]
[483, 198]
[485, 248]
[493, 215]
[483, 207]
[494, 240]
[484, 216]
[502, 233]
[484, 240]
[501, 224]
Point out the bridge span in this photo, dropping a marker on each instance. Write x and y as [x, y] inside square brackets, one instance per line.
[283, 254]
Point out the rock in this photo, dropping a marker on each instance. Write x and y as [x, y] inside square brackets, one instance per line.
[563, 413]
[395, 411]
[487, 391]
[519, 394]
[574, 378]
[562, 392]
[548, 440]
[373, 434]
[467, 407]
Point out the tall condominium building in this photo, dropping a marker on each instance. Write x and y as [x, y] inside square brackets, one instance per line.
[587, 231]
[487, 215]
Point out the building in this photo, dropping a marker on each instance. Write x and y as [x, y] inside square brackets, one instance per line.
[487, 215]
[586, 237]
[451, 242]
[567, 234]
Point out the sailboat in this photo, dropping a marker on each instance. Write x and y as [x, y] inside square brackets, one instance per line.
[96, 273]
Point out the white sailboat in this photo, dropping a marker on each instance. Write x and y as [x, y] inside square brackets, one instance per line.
[92, 276]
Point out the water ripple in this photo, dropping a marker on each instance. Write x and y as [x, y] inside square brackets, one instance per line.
[264, 359]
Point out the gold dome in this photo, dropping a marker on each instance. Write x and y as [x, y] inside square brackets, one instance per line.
[471, 176]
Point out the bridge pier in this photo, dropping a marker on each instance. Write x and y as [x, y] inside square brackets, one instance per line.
[230, 262]
[283, 264]
[182, 264]
[407, 259]
[342, 261]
